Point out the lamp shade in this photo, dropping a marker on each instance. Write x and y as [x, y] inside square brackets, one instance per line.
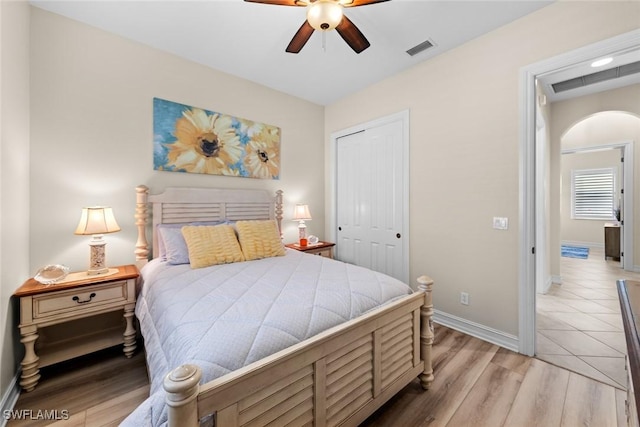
[97, 220]
[302, 213]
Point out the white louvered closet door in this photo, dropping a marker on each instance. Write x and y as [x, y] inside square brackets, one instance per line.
[370, 199]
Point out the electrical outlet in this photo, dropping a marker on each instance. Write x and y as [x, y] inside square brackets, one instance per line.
[464, 298]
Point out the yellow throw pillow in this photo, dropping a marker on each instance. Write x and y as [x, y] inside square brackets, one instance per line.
[259, 239]
[211, 245]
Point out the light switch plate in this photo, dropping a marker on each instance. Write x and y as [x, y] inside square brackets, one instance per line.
[500, 223]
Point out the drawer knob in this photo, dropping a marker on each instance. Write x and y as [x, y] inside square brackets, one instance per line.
[77, 299]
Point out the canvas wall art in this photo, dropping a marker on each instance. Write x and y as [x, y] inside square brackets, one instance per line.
[194, 140]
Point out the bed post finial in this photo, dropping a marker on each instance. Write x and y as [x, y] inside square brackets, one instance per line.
[279, 210]
[425, 284]
[142, 245]
[182, 386]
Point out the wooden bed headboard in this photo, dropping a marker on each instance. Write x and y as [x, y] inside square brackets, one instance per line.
[185, 205]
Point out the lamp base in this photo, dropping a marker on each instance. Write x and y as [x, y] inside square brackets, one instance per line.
[302, 233]
[97, 264]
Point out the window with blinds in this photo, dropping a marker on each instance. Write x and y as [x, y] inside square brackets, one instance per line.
[593, 193]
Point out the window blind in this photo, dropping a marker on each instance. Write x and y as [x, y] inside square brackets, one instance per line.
[593, 193]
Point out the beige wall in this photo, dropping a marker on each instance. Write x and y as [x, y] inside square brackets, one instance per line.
[597, 129]
[14, 176]
[91, 135]
[464, 108]
[584, 231]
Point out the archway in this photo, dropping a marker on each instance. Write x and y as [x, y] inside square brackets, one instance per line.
[604, 138]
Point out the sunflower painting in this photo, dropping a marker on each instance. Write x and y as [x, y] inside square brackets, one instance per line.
[189, 139]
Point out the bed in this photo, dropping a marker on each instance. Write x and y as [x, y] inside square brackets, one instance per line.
[312, 358]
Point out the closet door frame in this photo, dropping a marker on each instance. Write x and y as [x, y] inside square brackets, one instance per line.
[331, 197]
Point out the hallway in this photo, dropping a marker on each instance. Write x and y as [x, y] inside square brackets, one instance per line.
[579, 326]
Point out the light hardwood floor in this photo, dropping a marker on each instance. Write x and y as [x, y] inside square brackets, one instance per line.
[476, 384]
[579, 326]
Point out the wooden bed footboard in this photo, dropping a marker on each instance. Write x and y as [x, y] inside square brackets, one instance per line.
[338, 377]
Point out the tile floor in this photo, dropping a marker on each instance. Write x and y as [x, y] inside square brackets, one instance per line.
[579, 326]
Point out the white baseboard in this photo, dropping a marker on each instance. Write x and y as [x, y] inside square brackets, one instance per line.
[556, 279]
[477, 330]
[10, 398]
[547, 285]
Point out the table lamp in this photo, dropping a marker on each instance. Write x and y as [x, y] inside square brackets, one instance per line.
[302, 214]
[97, 221]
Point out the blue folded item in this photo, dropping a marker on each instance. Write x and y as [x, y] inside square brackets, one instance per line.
[574, 252]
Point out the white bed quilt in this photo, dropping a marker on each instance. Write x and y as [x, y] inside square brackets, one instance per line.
[224, 317]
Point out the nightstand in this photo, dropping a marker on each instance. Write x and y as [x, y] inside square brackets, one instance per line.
[324, 249]
[612, 241]
[78, 296]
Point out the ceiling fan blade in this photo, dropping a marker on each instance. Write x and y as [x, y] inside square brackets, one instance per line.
[352, 35]
[354, 3]
[280, 2]
[300, 39]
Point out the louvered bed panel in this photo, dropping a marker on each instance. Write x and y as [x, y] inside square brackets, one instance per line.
[349, 381]
[235, 212]
[175, 213]
[337, 378]
[187, 205]
[397, 349]
[289, 400]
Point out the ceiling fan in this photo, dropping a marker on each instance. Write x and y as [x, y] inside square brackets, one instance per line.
[325, 15]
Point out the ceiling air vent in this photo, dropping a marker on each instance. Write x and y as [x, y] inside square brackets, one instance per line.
[628, 69]
[600, 76]
[420, 47]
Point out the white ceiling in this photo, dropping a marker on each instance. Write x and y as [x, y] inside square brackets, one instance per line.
[249, 40]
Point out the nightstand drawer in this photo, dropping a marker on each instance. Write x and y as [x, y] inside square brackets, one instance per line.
[326, 252]
[79, 299]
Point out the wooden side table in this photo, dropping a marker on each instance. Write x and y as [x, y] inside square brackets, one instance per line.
[76, 297]
[324, 249]
[612, 241]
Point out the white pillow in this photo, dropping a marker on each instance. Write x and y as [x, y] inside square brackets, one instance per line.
[175, 248]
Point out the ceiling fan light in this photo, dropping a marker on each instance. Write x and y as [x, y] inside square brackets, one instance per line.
[324, 15]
